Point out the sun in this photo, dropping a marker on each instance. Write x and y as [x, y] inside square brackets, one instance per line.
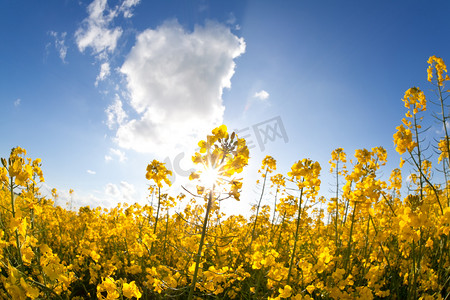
[209, 177]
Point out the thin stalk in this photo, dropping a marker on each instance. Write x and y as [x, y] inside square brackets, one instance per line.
[281, 231]
[157, 210]
[349, 248]
[413, 287]
[381, 246]
[444, 121]
[202, 240]
[428, 182]
[275, 206]
[388, 203]
[347, 204]
[420, 158]
[446, 159]
[16, 232]
[296, 236]
[257, 210]
[157, 216]
[165, 236]
[337, 204]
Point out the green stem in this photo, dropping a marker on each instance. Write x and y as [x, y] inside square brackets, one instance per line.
[419, 157]
[296, 236]
[202, 240]
[444, 121]
[275, 207]
[414, 271]
[16, 232]
[257, 210]
[157, 216]
[428, 182]
[165, 236]
[349, 248]
[337, 204]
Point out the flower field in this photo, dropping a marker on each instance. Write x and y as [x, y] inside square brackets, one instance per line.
[376, 238]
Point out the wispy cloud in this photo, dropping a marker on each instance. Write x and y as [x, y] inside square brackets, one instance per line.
[60, 44]
[124, 192]
[232, 21]
[96, 31]
[116, 154]
[115, 113]
[439, 129]
[127, 7]
[261, 95]
[91, 172]
[17, 102]
[175, 79]
[104, 72]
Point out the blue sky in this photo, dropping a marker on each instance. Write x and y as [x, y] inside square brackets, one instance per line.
[98, 89]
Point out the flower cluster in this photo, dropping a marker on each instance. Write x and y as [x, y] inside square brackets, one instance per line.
[403, 140]
[437, 65]
[414, 100]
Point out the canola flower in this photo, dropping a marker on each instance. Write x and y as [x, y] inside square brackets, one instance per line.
[373, 240]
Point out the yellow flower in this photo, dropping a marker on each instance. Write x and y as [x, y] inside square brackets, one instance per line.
[220, 132]
[306, 172]
[414, 100]
[220, 157]
[443, 148]
[437, 64]
[402, 162]
[310, 288]
[130, 290]
[109, 286]
[270, 163]
[285, 292]
[396, 179]
[403, 140]
[31, 291]
[3, 175]
[158, 172]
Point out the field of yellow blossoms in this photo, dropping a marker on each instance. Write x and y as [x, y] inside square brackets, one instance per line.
[375, 239]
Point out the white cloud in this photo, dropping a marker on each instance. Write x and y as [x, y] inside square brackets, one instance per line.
[112, 190]
[125, 192]
[126, 7]
[108, 197]
[60, 45]
[258, 97]
[120, 155]
[104, 71]
[175, 80]
[91, 172]
[17, 102]
[442, 129]
[262, 95]
[409, 178]
[231, 19]
[115, 113]
[94, 31]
